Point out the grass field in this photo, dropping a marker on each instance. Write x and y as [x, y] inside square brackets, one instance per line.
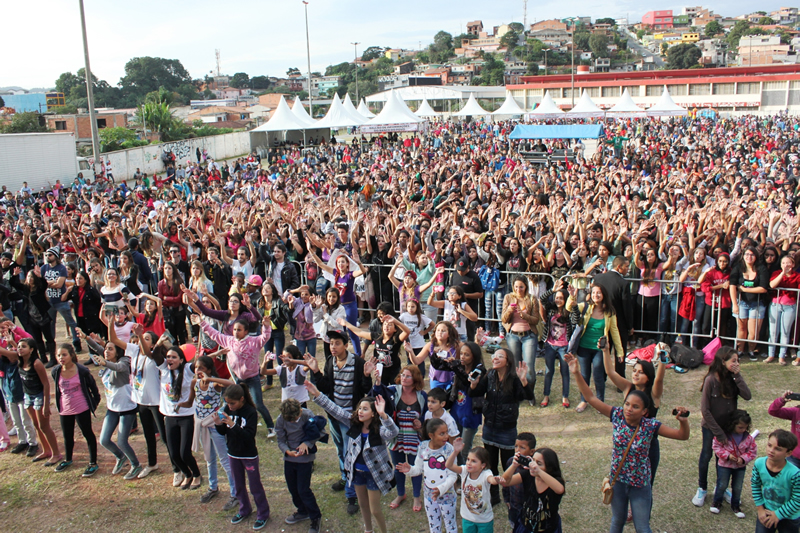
[35, 498]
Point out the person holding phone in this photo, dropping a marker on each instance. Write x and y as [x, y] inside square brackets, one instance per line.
[778, 409]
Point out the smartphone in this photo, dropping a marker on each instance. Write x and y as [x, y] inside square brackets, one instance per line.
[475, 374]
[523, 460]
[675, 413]
[95, 358]
[794, 396]
[602, 343]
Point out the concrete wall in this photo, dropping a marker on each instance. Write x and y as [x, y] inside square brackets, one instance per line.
[148, 158]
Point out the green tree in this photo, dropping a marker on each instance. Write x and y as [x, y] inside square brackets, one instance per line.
[766, 21]
[581, 39]
[683, 56]
[158, 117]
[24, 123]
[293, 71]
[713, 28]
[112, 139]
[516, 26]
[598, 43]
[259, 82]
[640, 34]
[373, 52]
[664, 48]
[147, 74]
[509, 39]
[607, 20]
[533, 68]
[736, 33]
[67, 81]
[240, 80]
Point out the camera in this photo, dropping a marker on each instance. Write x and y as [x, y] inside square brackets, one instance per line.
[794, 396]
[602, 343]
[675, 413]
[523, 460]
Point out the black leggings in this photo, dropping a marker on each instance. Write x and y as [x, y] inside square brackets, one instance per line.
[180, 432]
[152, 423]
[497, 454]
[46, 346]
[84, 420]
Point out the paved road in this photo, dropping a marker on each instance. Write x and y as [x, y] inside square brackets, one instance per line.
[644, 52]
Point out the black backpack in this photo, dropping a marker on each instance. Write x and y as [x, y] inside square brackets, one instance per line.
[686, 356]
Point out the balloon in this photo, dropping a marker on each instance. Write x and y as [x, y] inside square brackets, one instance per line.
[189, 350]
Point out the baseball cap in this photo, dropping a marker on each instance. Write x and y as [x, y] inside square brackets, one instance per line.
[255, 279]
[462, 264]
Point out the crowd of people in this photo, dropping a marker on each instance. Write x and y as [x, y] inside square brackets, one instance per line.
[433, 269]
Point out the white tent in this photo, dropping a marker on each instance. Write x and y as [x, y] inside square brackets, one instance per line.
[666, 107]
[509, 107]
[471, 109]
[299, 111]
[547, 108]
[625, 108]
[338, 117]
[364, 110]
[585, 108]
[425, 109]
[351, 109]
[394, 114]
[283, 120]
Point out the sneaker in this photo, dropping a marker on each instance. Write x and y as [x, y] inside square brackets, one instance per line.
[3, 447]
[32, 450]
[296, 517]
[314, 526]
[12, 432]
[90, 470]
[232, 504]
[63, 465]
[699, 498]
[271, 433]
[352, 506]
[738, 512]
[752, 355]
[339, 485]
[260, 524]
[714, 508]
[728, 495]
[238, 517]
[121, 464]
[177, 479]
[209, 495]
[19, 448]
[146, 471]
[133, 473]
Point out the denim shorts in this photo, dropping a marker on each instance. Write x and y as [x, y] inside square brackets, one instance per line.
[361, 478]
[503, 438]
[34, 400]
[751, 311]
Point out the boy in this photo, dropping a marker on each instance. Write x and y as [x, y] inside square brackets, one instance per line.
[515, 496]
[298, 462]
[776, 486]
[437, 401]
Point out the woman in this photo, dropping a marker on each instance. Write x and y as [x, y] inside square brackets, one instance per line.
[599, 320]
[271, 305]
[129, 273]
[501, 389]
[86, 304]
[630, 475]
[649, 290]
[558, 330]
[782, 309]
[670, 292]
[239, 308]
[690, 275]
[716, 288]
[152, 319]
[520, 316]
[115, 293]
[721, 389]
[37, 305]
[327, 316]
[169, 290]
[456, 310]
[748, 286]
[198, 282]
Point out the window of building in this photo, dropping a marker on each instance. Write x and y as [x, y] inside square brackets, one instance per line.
[61, 125]
[594, 92]
[677, 90]
[653, 90]
[723, 88]
[747, 88]
[699, 88]
[101, 123]
[774, 86]
[633, 90]
[568, 92]
[610, 92]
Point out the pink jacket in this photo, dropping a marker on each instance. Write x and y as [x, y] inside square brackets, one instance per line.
[243, 354]
[728, 452]
[778, 410]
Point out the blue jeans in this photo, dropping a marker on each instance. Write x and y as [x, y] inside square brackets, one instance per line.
[524, 347]
[784, 526]
[125, 423]
[668, 316]
[551, 353]
[351, 312]
[736, 478]
[697, 324]
[640, 500]
[493, 301]
[591, 361]
[400, 478]
[298, 481]
[63, 309]
[309, 346]
[217, 450]
[254, 385]
[342, 442]
[275, 345]
[781, 322]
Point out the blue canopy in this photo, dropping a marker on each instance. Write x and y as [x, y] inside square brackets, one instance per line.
[561, 131]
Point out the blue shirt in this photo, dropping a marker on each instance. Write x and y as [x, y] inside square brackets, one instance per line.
[52, 274]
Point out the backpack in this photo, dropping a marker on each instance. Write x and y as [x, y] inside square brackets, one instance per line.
[686, 356]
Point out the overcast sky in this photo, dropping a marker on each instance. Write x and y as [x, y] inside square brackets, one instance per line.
[42, 38]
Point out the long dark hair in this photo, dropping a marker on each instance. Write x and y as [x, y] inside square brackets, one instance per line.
[649, 371]
[718, 368]
[607, 307]
[507, 384]
[237, 392]
[375, 423]
[477, 355]
[176, 281]
[30, 343]
[176, 388]
[207, 362]
[551, 464]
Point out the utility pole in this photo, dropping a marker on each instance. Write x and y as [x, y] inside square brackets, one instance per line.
[545, 50]
[524, 16]
[90, 93]
[355, 64]
[572, 90]
[308, 53]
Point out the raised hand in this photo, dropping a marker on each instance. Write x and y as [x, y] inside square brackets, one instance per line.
[311, 363]
[380, 406]
[312, 389]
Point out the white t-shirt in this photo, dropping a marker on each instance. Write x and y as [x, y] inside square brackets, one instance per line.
[475, 500]
[292, 389]
[118, 399]
[166, 405]
[459, 321]
[416, 325]
[246, 268]
[144, 377]
[452, 428]
[276, 276]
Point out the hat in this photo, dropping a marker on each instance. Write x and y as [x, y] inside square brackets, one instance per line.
[133, 242]
[338, 335]
[55, 251]
[7, 255]
[255, 279]
[462, 265]
[411, 274]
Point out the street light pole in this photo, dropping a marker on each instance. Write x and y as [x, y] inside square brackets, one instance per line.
[545, 50]
[90, 93]
[572, 89]
[355, 64]
[308, 53]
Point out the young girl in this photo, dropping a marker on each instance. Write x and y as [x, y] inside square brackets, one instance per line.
[76, 398]
[238, 424]
[206, 396]
[445, 344]
[748, 285]
[271, 305]
[733, 456]
[544, 486]
[291, 374]
[387, 348]
[558, 330]
[409, 289]
[169, 290]
[476, 477]
[715, 283]
[328, 315]
[440, 498]
[302, 311]
[366, 461]
[520, 317]
[418, 326]
[456, 310]
[152, 319]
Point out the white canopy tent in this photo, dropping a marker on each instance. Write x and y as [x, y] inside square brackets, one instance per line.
[395, 116]
[299, 111]
[283, 120]
[425, 109]
[585, 108]
[285, 126]
[364, 110]
[546, 109]
[351, 109]
[625, 108]
[666, 107]
[472, 109]
[338, 117]
[510, 107]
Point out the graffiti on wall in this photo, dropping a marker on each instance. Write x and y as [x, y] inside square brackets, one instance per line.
[181, 149]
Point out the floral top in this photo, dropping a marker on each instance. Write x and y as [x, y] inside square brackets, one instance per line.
[636, 470]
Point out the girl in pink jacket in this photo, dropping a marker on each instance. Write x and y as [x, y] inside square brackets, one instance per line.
[738, 450]
[778, 409]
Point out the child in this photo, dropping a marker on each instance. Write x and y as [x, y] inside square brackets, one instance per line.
[543, 487]
[776, 485]
[440, 498]
[445, 344]
[238, 424]
[476, 476]
[778, 409]
[13, 392]
[733, 456]
[437, 401]
[456, 310]
[418, 325]
[302, 308]
[376, 324]
[76, 398]
[299, 453]
[291, 374]
[327, 315]
[514, 496]
[387, 348]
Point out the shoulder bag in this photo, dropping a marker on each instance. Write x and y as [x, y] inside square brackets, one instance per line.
[608, 486]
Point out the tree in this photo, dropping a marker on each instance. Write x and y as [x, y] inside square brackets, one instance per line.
[683, 56]
[598, 43]
[664, 48]
[533, 68]
[66, 82]
[607, 20]
[509, 39]
[260, 82]
[640, 34]
[293, 71]
[2, 102]
[240, 80]
[766, 21]
[147, 74]
[713, 28]
[516, 26]
[442, 41]
[112, 139]
[373, 52]
[581, 39]
[736, 33]
[24, 123]
[158, 118]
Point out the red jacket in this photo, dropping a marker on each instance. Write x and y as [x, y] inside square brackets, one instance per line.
[716, 277]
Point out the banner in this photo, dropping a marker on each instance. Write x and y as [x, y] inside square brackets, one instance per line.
[389, 128]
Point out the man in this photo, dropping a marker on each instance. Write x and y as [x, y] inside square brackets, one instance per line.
[219, 274]
[245, 261]
[468, 280]
[145, 274]
[55, 274]
[282, 272]
[345, 384]
[180, 264]
[619, 292]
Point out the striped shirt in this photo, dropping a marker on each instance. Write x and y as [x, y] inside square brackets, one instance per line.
[343, 382]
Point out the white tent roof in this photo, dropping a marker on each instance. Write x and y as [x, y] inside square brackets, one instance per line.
[337, 117]
[585, 108]
[351, 109]
[472, 109]
[509, 107]
[299, 111]
[395, 112]
[283, 120]
[547, 108]
[666, 107]
[425, 109]
[625, 107]
[364, 110]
